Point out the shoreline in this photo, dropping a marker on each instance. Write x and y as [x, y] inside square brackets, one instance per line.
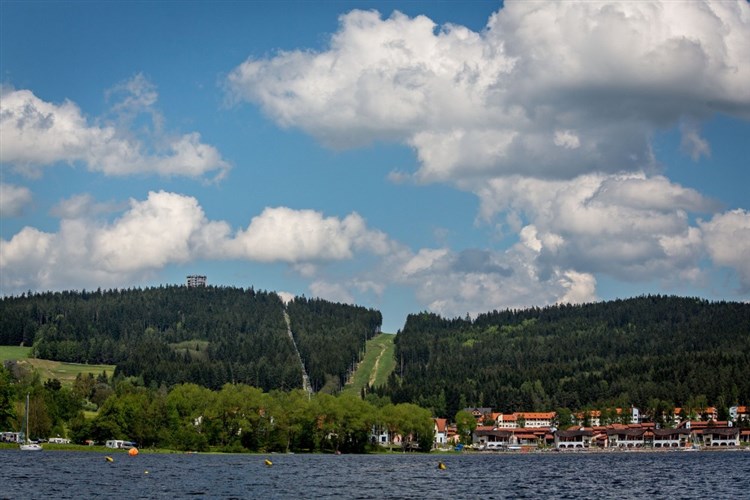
[527, 452]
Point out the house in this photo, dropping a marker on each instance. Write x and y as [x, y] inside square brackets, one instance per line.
[480, 414]
[506, 421]
[452, 435]
[593, 416]
[671, 438]
[628, 437]
[379, 435]
[489, 438]
[441, 433]
[535, 419]
[739, 413]
[682, 414]
[573, 439]
[721, 436]
[526, 439]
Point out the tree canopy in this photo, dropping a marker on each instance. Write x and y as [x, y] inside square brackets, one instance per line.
[620, 352]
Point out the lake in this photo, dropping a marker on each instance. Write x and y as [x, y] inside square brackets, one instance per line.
[77, 475]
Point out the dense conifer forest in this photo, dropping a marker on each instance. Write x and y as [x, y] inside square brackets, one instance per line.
[203, 335]
[342, 330]
[650, 351]
[647, 351]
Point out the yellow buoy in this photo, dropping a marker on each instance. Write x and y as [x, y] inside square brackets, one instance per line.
[109, 459]
[133, 452]
[268, 463]
[441, 466]
[145, 472]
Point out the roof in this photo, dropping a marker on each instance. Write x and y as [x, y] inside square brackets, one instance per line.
[493, 432]
[575, 433]
[526, 436]
[670, 432]
[441, 424]
[722, 431]
[483, 411]
[626, 432]
[704, 424]
[540, 415]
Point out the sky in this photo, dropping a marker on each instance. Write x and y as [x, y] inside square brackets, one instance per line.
[453, 157]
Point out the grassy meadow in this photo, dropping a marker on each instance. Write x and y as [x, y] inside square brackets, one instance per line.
[65, 372]
[10, 352]
[377, 364]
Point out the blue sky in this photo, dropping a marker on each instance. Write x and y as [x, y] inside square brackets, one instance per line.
[406, 156]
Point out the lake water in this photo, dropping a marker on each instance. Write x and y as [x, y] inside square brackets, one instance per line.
[60, 475]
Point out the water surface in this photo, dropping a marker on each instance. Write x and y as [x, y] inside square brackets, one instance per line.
[62, 475]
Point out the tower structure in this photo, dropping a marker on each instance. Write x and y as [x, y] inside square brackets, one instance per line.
[195, 280]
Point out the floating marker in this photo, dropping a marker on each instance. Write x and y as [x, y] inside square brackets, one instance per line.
[268, 463]
[441, 466]
[133, 452]
[109, 459]
[145, 472]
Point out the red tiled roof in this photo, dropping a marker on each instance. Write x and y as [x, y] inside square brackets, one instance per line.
[441, 424]
[526, 436]
[528, 415]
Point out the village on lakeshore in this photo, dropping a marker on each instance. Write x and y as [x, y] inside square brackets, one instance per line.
[483, 430]
[622, 429]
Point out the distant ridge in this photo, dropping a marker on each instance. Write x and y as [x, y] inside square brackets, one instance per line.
[621, 352]
[206, 335]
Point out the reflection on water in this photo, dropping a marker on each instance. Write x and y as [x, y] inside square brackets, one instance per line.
[606, 475]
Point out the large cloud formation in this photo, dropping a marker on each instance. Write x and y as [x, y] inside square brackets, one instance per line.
[553, 89]
[169, 228]
[547, 115]
[35, 133]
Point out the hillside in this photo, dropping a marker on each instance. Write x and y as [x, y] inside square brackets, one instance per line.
[637, 351]
[205, 335]
[376, 365]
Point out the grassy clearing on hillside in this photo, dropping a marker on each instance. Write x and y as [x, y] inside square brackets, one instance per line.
[64, 372]
[377, 364]
[387, 361]
[8, 352]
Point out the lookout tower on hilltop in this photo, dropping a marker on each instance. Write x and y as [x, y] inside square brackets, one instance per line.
[195, 280]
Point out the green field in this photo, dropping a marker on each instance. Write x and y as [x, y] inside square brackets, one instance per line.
[8, 352]
[377, 364]
[64, 372]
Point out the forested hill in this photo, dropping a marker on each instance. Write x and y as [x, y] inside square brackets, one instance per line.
[315, 323]
[205, 335]
[638, 351]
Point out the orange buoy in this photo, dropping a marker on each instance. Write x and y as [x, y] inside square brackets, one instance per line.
[133, 452]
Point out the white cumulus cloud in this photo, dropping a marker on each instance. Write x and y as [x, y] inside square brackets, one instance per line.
[169, 228]
[548, 89]
[727, 238]
[287, 235]
[35, 133]
[629, 226]
[13, 199]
